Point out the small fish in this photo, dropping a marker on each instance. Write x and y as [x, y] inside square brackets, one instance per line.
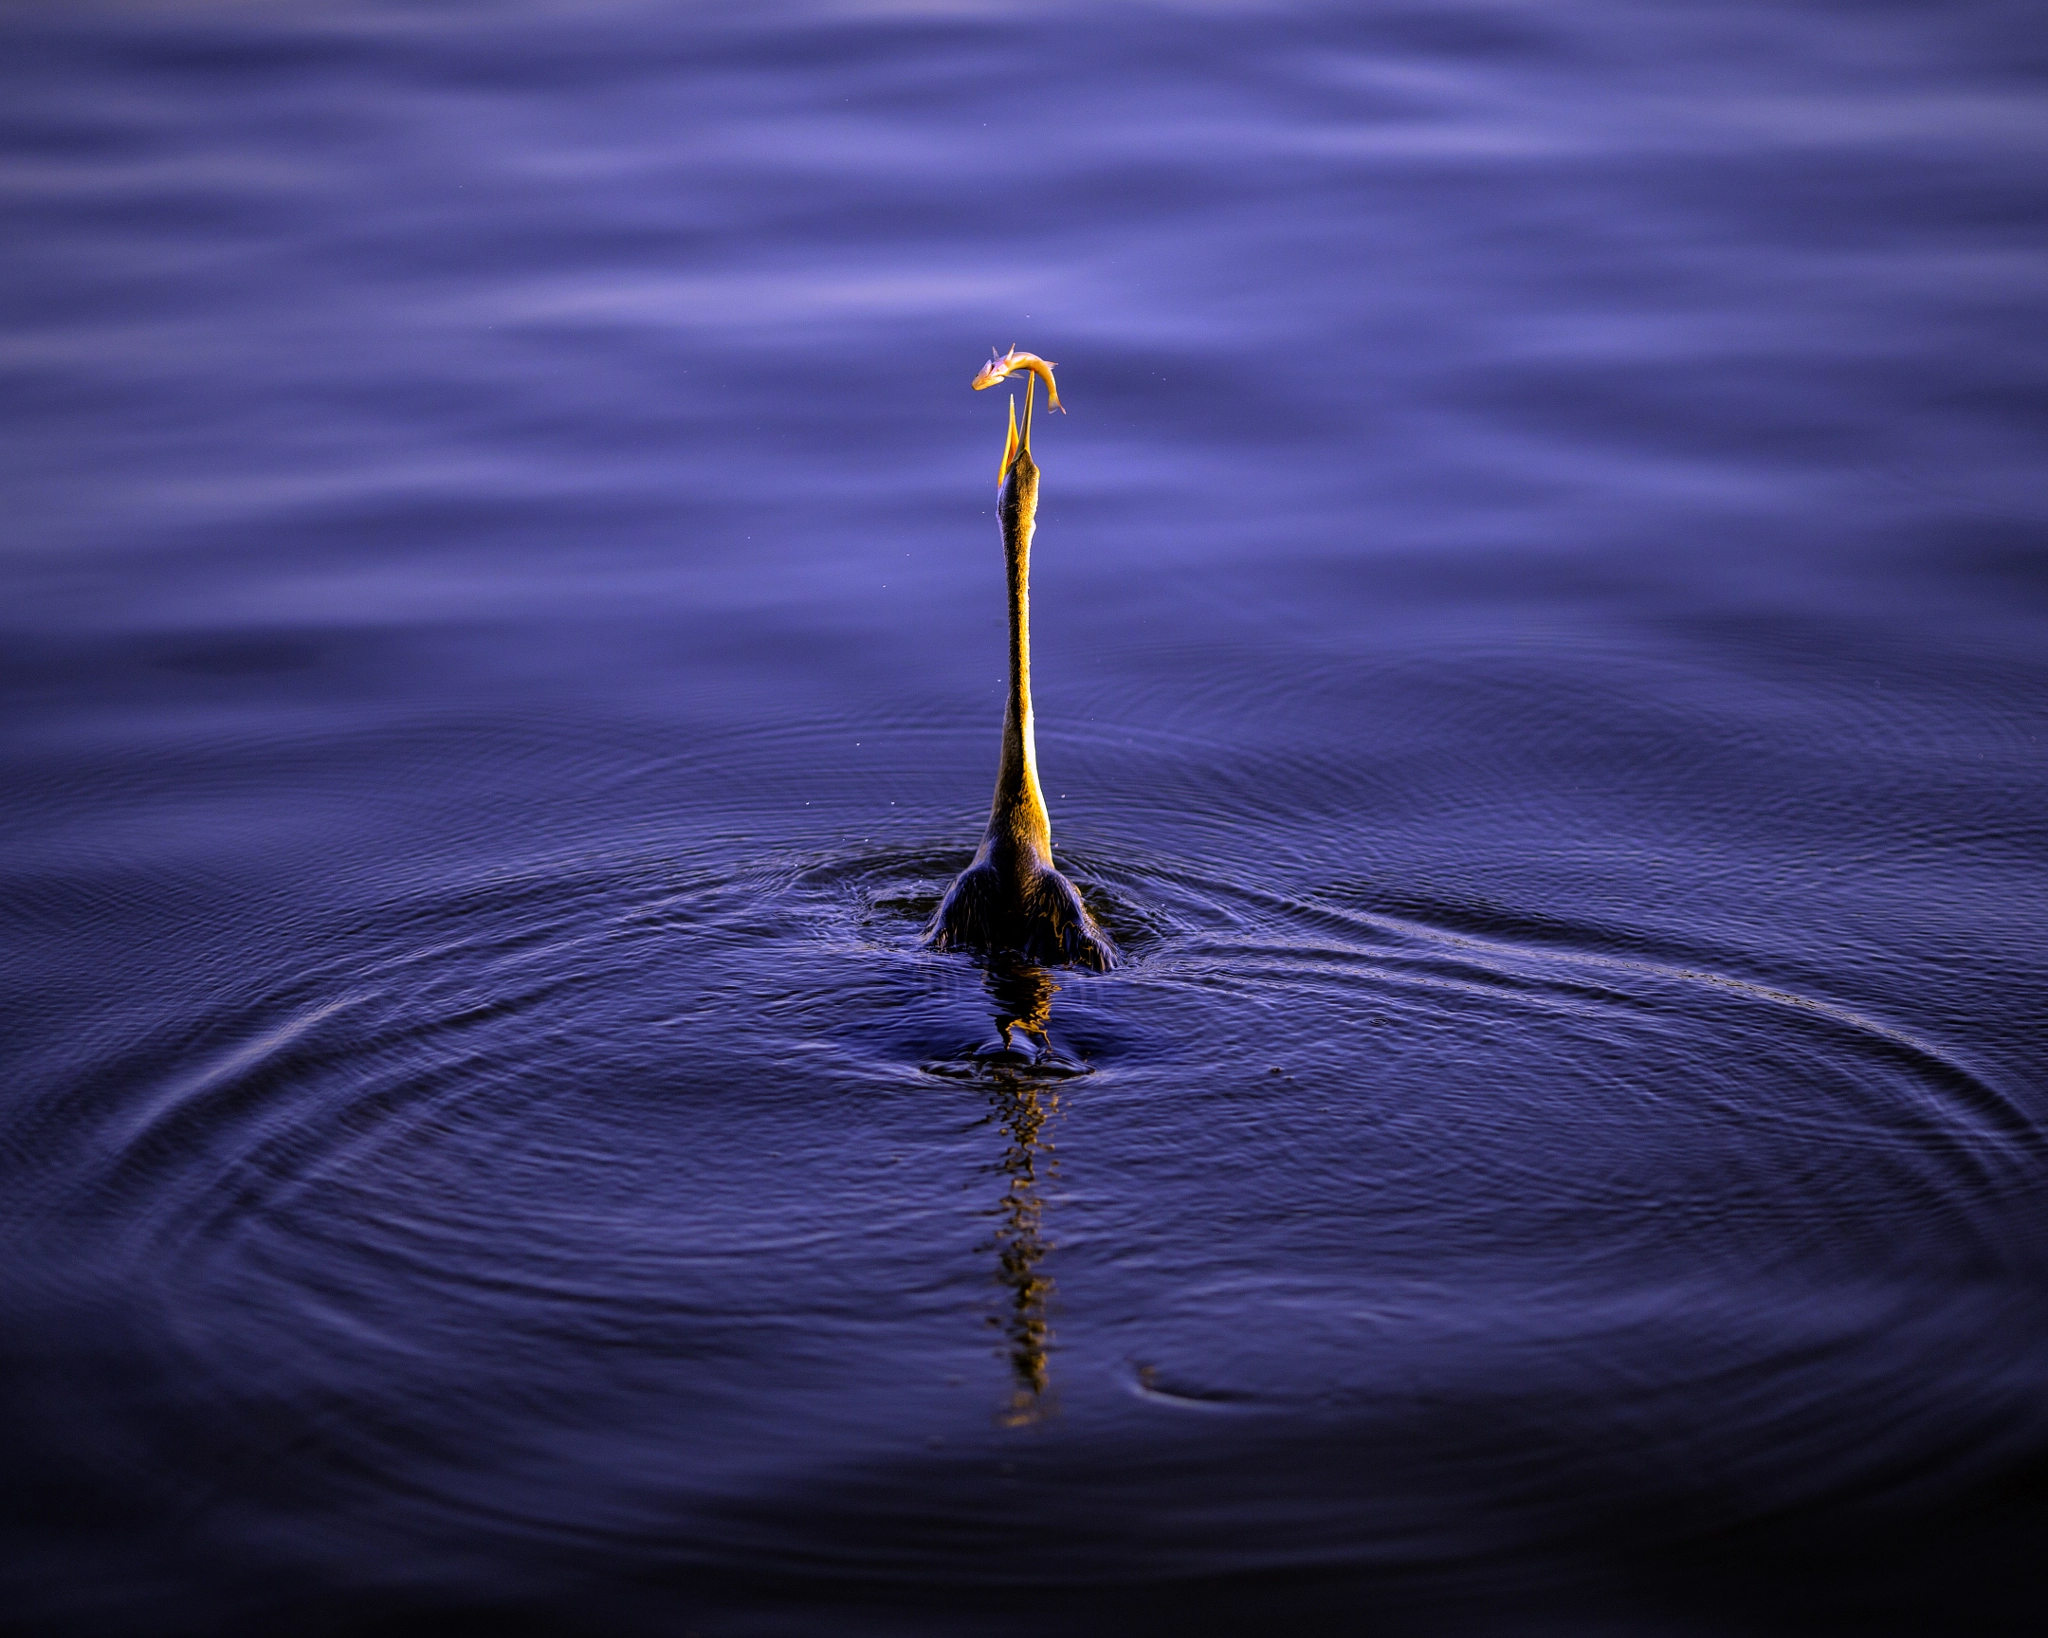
[1002, 367]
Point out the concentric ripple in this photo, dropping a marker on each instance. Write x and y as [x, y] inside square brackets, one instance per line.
[581, 1201]
[1538, 647]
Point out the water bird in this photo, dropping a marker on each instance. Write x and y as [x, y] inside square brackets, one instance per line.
[1012, 897]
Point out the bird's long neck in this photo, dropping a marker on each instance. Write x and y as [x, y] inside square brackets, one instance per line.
[1017, 820]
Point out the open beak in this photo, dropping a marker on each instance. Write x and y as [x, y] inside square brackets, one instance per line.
[1011, 445]
[1014, 445]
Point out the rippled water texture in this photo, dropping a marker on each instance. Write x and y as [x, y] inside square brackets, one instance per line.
[1542, 640]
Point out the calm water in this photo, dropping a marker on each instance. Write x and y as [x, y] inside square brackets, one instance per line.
[1542, 650]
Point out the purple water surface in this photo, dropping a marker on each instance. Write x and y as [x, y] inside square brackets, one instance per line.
[1541, 614]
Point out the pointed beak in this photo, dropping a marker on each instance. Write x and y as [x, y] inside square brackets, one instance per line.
[1011, 444]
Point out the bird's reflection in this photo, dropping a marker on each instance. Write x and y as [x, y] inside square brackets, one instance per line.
[1023, 1110]
[1022, 992]
[1022, 1078]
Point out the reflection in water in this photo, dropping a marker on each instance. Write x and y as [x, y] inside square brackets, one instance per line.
[1023, 1109]
[1024, 1103]
[1022, 992]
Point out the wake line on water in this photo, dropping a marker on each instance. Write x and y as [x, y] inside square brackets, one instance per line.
[2008, 1122]
[226, 1072]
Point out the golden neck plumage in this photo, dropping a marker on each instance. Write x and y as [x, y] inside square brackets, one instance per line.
[1012, 898]
[1018, 817]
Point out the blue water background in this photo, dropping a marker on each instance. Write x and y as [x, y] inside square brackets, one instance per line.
[1541, 650]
